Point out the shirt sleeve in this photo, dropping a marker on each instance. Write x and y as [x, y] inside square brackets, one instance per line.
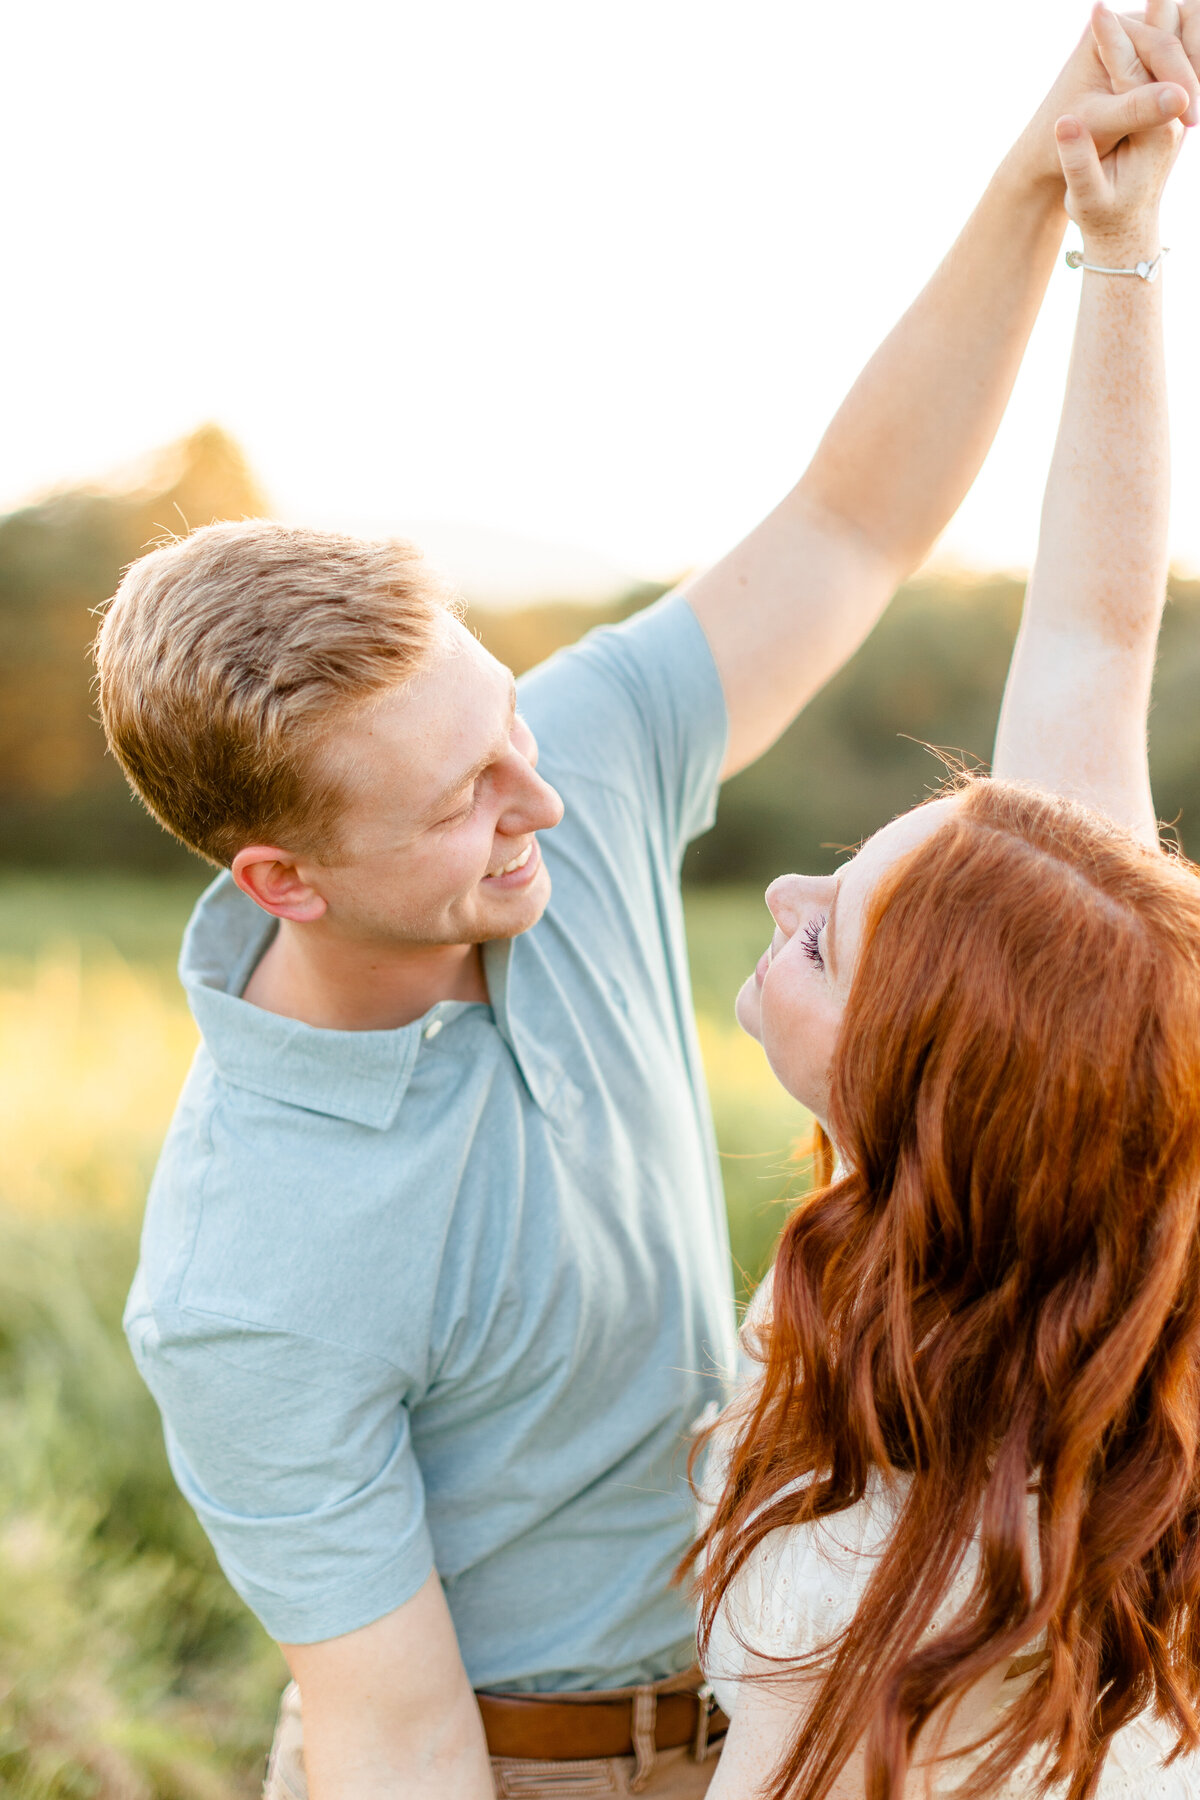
[297, 1459]
[638, 707]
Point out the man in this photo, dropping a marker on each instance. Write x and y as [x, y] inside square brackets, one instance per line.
[434, 1278]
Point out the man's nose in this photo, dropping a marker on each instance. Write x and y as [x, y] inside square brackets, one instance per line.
[533, 806]
[551, 806]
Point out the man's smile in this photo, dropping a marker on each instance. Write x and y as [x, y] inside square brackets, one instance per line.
[520, 869]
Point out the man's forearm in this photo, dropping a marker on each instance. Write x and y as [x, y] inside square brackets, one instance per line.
[790, 603]
[911, 435]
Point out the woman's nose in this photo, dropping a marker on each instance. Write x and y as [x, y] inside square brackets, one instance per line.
[784, 899]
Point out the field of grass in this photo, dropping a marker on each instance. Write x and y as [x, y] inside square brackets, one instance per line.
[128, 1669]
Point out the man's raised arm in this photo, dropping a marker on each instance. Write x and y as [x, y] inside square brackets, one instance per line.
[1074, 716]
[786, 608]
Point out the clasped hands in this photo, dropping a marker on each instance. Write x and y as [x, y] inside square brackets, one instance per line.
[1130, 73]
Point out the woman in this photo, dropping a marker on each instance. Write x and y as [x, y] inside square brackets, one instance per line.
[953, 1542]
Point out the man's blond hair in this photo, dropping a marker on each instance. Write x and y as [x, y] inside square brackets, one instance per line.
[225, 657]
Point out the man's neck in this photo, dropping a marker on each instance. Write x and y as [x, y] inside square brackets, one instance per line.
[341, 985]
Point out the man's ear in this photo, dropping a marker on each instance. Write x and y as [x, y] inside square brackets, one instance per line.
[273, 881]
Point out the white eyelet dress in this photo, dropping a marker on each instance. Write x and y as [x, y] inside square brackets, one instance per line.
[802, 1587]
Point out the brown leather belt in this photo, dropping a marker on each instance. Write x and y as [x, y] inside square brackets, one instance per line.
[594, 1726]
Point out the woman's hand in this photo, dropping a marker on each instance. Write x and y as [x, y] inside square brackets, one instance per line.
[1074, 714]
[1113, 194]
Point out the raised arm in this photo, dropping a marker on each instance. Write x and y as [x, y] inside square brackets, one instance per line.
[1074, 715]
[786, 608]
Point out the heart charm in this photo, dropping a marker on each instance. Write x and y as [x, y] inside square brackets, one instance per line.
[1145, 270]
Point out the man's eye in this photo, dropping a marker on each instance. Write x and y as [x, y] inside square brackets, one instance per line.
[464, 812]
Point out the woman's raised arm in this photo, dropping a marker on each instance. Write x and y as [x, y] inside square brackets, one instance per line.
[1074, 715]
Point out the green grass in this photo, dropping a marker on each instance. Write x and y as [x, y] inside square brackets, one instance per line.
[128, 1669]
[140, 920]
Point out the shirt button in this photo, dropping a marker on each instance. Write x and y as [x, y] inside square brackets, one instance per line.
[432, 1030]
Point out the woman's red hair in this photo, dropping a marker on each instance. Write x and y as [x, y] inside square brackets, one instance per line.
[1001, 1297]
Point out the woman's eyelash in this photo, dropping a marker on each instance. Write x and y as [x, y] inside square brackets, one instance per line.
[812, 948]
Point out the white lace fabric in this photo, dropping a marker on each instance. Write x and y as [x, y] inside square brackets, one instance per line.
[801, 1588]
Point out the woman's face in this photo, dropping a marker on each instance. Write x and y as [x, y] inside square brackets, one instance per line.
[794, 1001]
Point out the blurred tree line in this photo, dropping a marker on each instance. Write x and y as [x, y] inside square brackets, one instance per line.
[931, 674]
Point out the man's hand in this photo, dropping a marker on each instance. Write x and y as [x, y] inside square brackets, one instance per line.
[388, 1710]
[1167, 42]
[1114, 198]
[1138, 48]
[1189, 29]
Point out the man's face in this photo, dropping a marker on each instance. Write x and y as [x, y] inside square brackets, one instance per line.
[443, 800]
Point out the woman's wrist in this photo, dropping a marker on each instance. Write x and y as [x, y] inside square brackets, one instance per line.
[1123, 246]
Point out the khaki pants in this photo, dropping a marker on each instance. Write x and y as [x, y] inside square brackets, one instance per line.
[674, 1775]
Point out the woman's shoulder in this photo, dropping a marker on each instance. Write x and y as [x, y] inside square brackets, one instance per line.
[801, 1586]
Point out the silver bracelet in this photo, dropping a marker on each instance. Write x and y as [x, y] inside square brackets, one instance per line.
[1145, 271]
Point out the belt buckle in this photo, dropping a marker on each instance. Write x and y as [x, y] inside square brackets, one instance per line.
[704, 1706]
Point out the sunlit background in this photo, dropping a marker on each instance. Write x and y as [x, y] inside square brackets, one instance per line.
[567, 289]
[568, 292]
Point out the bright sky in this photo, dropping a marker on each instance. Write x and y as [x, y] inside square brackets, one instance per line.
[592, 274]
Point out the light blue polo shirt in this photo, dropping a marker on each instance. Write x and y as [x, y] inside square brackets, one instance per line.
[455, 1295]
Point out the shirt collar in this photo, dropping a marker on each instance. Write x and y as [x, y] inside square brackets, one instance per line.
[361, 1076]
[529, 1006]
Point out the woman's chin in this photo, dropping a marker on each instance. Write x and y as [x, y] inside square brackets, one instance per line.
[804, 1080]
